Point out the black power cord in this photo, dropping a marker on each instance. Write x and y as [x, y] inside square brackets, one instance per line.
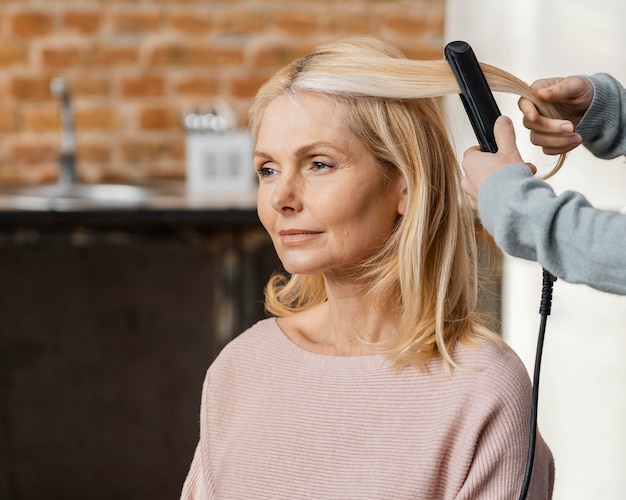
[544, 310]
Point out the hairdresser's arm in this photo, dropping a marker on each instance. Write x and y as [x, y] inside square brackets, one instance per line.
[565, 234]
[593, 111]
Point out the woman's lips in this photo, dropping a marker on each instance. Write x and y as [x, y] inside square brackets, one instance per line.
[294, 236]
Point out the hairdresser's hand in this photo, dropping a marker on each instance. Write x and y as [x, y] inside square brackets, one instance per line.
[479, 165]
[572, 97]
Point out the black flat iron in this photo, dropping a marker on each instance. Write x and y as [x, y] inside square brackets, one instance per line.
[480, 106]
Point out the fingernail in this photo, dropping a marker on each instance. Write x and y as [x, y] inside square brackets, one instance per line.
[505, 120]
[567, 127]
[575, 139]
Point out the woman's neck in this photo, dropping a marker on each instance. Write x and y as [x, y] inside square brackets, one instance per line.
[341, 326]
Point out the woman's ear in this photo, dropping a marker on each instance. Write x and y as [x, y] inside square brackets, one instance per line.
[402, 201]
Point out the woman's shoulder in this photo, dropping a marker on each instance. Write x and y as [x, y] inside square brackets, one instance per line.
[248, 353]
[492, 367]
[261, 335]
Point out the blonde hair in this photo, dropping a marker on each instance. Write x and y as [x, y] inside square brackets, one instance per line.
[424, 277]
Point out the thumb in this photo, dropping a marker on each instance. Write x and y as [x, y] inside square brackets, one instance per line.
[504, 133]
[563, 89]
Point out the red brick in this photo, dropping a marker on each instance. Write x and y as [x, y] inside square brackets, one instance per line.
[26, 88]
[12, 52]
[111, 55]
[179, 54]
[142, 86]
[278, 55]
[147, 149]
[245, 86]
[177, 147]
[33, 150]
[413, 25]
[422, 51]
[82, 21]
[192, 23]
[30, 24]
[224, 55]
[61, 57]
[197, 86]
[40, 117]
[90, 85]
[38, 173]
[297, 22]
[164, 170]
[346, 23]
[242, 20]
[103, 117]
[159, 118]
[138, 21]
[7, 119]
[93, 150]
[90, 173]
[174, 54]
[90, 56]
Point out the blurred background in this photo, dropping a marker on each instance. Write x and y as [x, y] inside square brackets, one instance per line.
[109, 318]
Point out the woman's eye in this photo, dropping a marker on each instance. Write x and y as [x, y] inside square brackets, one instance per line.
[320, 165]
[265, 171]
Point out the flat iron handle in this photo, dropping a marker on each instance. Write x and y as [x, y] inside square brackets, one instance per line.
[480, 106]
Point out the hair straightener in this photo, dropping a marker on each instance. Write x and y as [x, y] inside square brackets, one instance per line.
[482, 110]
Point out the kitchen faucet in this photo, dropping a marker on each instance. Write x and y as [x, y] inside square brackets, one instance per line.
[67, 157]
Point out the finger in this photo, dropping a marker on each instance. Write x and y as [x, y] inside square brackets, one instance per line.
[471, 150]
[504, 134]
[563, 89]
[468, 188]
[563, 142]
[533, 120]
[545, 125]
[532, 168]
[546, 83]
[528, 108]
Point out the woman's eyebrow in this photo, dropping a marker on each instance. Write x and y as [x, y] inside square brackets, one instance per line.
[303, 150]
[261, 154]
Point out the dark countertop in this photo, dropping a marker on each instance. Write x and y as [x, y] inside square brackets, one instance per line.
[171, 206]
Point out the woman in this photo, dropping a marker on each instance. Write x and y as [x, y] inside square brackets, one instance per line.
[375, 379]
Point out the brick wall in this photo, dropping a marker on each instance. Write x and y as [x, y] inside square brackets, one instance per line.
[134, 66]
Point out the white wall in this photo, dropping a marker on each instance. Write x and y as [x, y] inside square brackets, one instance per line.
[582, 412]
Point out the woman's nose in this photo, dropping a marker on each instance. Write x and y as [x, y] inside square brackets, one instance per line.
[286, 194]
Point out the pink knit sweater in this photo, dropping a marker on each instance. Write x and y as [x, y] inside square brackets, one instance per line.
[278, 422]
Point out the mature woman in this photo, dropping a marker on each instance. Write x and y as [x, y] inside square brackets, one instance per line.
[375, 378]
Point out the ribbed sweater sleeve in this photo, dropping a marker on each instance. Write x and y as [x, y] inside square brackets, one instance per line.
[565, 234]
[603, 127]
[279, 423]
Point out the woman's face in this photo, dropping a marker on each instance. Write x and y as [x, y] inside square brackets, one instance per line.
[322, 197]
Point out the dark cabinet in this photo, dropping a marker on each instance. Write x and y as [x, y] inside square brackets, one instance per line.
[105, 336]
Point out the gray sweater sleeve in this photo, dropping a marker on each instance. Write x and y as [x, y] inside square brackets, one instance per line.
[564, 233]
[603, 127]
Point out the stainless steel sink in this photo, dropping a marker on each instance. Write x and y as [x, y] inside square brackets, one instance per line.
[77, 196]
[68, 193]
